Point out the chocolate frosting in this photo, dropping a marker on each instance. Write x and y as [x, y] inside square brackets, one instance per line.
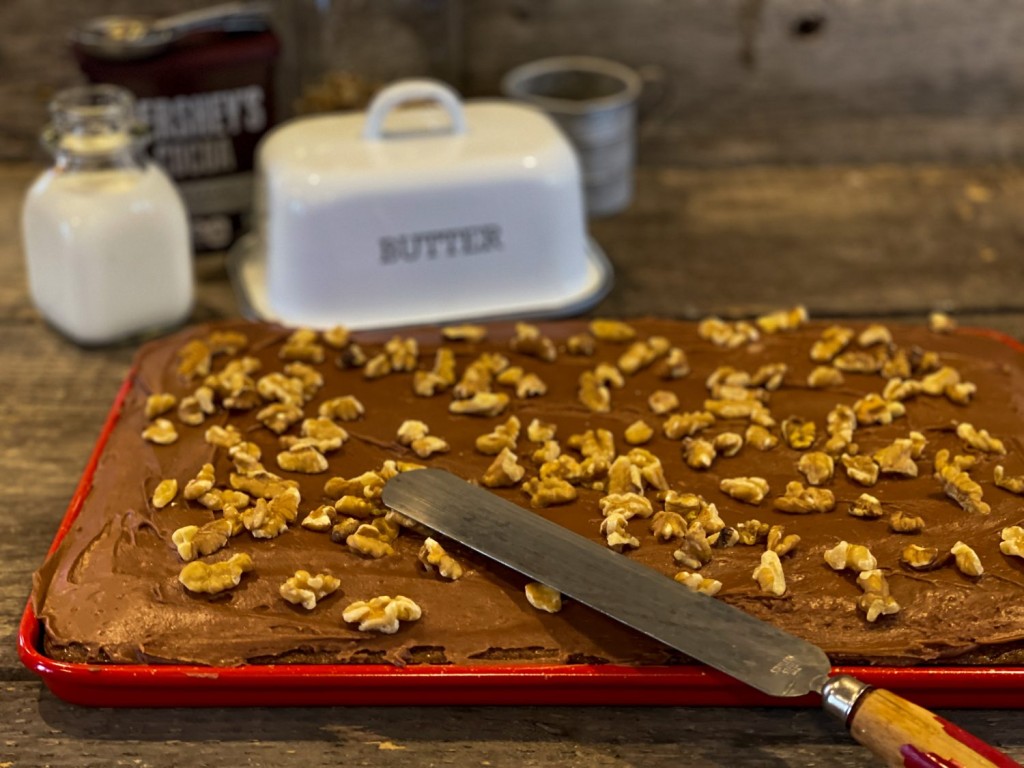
[110, 590]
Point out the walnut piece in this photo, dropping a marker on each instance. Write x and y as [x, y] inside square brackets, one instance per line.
[866, 506]
[193, 541]
[549, 491]
[612, 330]
[159, 403]
[543, 597]
[855, 557]
[798, 500]
[433, 556]
[504, 471]
[861, 469]
[816, 466]
[320, 519]
[750, 490]
[768, 574]
[382, 614]
[212, 578]
[306, 590]
[920, 558]
[979, 439]
[876, 600]
[697, 583]
[1012, 541]
[481, 404]
[901, 522]
[164, 493]
[967, 560]
[160, 432]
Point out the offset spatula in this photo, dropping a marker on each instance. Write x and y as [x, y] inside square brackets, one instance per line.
[723, 637]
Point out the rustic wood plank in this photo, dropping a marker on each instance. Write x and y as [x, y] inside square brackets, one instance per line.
[42, 730]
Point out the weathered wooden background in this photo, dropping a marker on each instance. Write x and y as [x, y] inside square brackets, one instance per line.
[729, 81]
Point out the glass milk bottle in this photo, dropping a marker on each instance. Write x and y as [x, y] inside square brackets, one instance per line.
[105, 231]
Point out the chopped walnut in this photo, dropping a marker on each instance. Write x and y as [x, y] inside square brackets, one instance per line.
[697, 583]
[674, 365]
[961, 393]
[164, 493]
[432, 555]
[320, 519]
[935, 383]
[940, 322]
[840, 424]
[440, 378]
[581, 344]
[223, 437]
[920, 558]
[403, 353]
[194, 359]
[540, 432]
[549, 491]
[727, 335]
[727, 444]
[979, 439]
[543, 597]
[642, 354]
[861, 469]
[627, 504]
[279, 417]
[752, 532]
[855, 557]
[382, 614]
[337, 337]
[310, 379]
[276, 387]
[874, 334]
[901, 389]
[799, 500]
[302, 346]
[616, 533]
[753, 410]
[501, 437]
[824, 376]
[160, 432]
[612, 330]
[866, 506]
[345, 408]
[782, 320]
[760, 437]
[769, 575]
[321, 433]
[769, 376]
[779, 542]
[342, 529]
[967, 560]
[1013, 484]
[727, 537]
[211, 578]
[959, 486]
[201, 484]
[260, 483]
[193, 541]
[219, 498]
[876, 600]
[369, 541]
[662, 401]
[504, 471]
[873, 409]
[481, 404]
[750, 490]
[666, 525]
[158, 404]
[834, 340]
[897, 458]
[464, 332]
[857, 361]
[694, 551]
[305, 589]
[680, 425]
[1012, 542]
[302, 458]
[816, 466]
[267, 519]
[638, 433]
[901, 522]
[698, 453]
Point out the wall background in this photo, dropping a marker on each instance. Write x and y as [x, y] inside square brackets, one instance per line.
[729, 81]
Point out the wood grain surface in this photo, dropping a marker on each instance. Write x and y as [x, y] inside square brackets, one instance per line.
[890, 241]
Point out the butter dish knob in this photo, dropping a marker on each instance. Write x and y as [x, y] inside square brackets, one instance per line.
[408, 91]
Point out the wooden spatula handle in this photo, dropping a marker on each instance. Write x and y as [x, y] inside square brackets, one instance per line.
[904, 734]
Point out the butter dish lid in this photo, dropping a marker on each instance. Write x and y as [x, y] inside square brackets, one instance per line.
[247, 271]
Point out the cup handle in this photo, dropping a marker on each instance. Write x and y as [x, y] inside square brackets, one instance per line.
[406, 91]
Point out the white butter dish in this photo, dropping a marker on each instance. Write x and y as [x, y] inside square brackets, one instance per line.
[423, 209]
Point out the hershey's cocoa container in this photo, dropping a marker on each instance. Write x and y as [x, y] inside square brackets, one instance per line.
[204, 85]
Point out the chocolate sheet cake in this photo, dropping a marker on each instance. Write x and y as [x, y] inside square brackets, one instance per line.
[855, 484]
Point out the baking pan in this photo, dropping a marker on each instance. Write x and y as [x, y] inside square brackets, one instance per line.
[150, 685]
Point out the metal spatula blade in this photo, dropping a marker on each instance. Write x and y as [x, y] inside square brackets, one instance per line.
[703, 627]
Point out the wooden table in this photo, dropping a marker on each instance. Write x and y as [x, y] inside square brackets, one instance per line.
[886, 241]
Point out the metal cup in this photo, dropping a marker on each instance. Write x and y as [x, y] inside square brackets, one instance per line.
[593, 100]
